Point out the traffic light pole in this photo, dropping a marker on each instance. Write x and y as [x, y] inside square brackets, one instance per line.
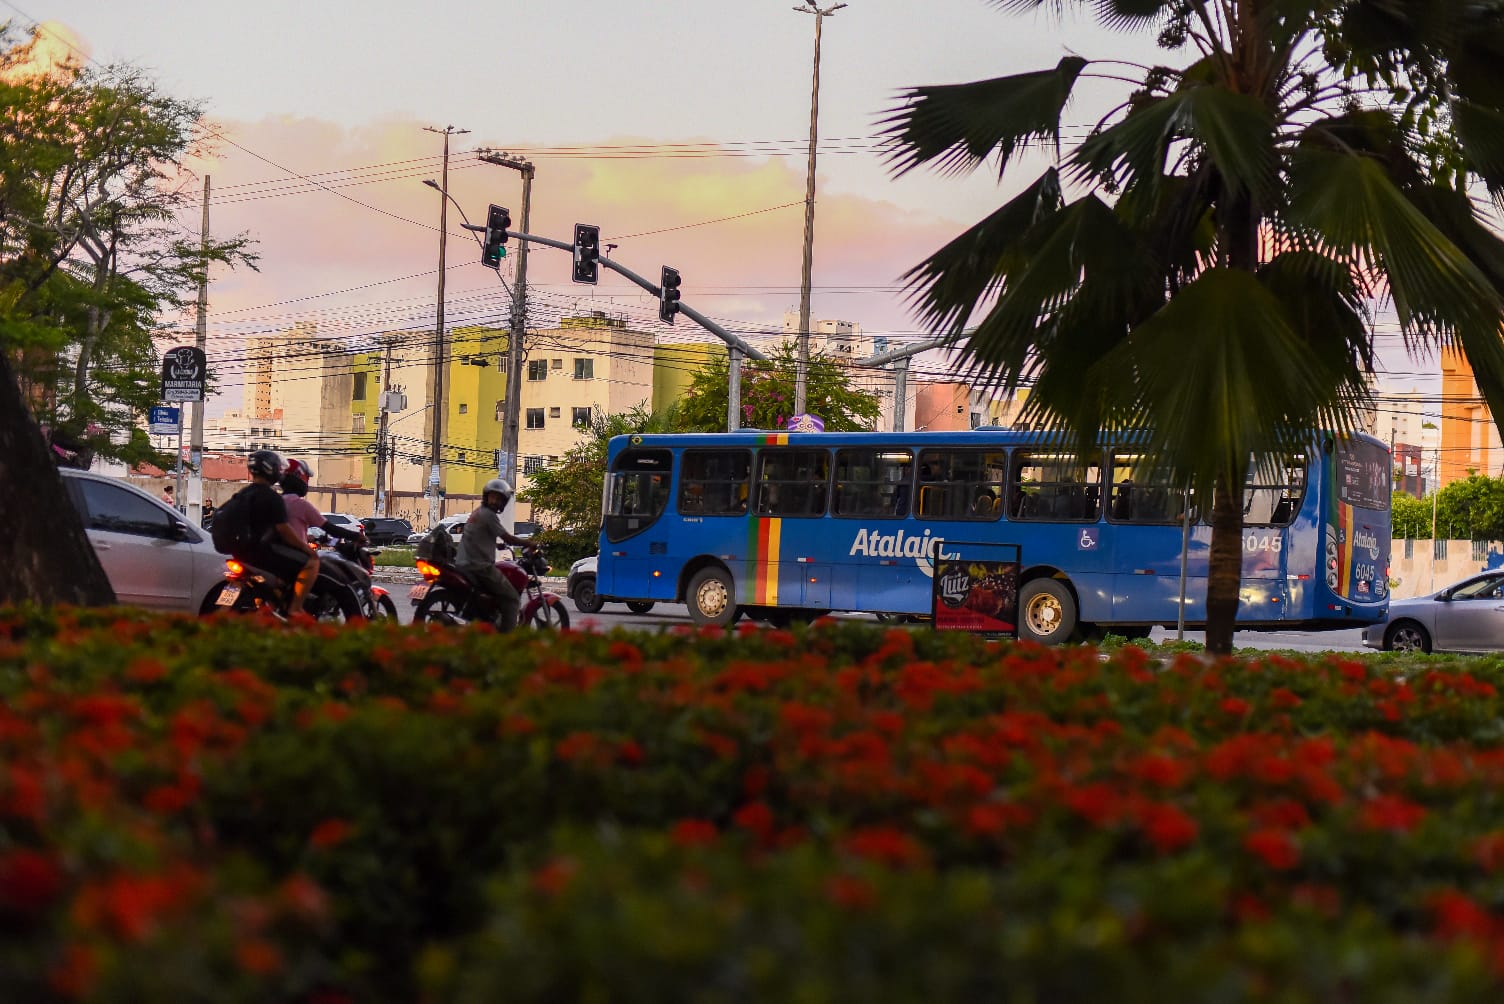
[738, 346]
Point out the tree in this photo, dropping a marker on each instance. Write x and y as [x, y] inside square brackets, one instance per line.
[91, 256]
[1471, 509]
[1411, 517]
[566, 497]
[1204, 263]
[767, 395]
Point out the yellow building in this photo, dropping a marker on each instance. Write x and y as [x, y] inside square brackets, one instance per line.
[675, 366]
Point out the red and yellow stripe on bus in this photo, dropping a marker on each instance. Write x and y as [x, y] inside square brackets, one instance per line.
[766, 538]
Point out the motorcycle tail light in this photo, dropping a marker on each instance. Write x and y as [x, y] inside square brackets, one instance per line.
[234, 569]
[428, 570]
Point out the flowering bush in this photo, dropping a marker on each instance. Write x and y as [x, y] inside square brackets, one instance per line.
[234, 810]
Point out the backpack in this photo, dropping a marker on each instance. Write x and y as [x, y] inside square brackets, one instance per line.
[437, 547]
[231, 530]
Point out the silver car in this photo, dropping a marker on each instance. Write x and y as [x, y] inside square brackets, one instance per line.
[152, 557]
[1466, 617]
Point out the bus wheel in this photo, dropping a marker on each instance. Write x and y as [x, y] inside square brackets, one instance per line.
[1046, 612]
[710, 597]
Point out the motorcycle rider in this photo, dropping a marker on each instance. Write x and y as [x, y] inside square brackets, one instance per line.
[276, 547]
[477, 552]
[303, 514]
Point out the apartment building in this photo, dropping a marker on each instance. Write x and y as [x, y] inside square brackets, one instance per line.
[1469, 436]
[299, 386]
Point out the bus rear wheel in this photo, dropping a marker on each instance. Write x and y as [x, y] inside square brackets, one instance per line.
[711, 598]
[1046, 612]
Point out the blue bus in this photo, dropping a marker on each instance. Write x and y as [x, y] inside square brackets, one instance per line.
[779, 526]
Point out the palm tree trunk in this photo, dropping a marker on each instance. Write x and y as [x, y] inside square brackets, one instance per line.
[45, 557]
[1225, 571]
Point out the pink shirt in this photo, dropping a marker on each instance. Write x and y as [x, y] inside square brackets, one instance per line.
[301, 514]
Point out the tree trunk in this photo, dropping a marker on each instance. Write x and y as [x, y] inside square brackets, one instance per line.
[1225, 572]
[45, 557]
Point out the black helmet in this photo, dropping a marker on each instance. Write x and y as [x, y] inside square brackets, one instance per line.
[266, 463]
[295, 480]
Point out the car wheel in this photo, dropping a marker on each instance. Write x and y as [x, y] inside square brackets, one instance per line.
[586, 599]
[711, 598]
[1406, 636]
[639, 606]
[1046, 612]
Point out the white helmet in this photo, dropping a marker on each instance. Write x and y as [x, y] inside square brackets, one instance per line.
[499, 486]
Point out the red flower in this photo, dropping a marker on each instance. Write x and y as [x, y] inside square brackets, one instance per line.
[1457, 916]
[303, 897]
[630, 753]
[29, 881]
[554, 877]
[756, 818]
[1390, 812]
[850, 892]
[330, 833]
[694, 833]
[1236, 707]
[258, 956]
[1488, 850]
[625, 653]
[1099, 804]
[886, 845]
[1284, 698]
[1169, 828]
[1276, 848]
[1160, 770]
[1281, 814]
[145, 670]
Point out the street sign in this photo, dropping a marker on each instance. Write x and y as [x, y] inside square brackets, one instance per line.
[165, 422]
[184, 373]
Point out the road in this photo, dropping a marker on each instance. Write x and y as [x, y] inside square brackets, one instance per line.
[666, 615]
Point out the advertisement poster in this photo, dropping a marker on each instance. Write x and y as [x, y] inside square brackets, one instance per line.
[976, 593]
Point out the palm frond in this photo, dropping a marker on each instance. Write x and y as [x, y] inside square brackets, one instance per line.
[949, 284]
[1480, 130]
[1126, 15]
[960, 125]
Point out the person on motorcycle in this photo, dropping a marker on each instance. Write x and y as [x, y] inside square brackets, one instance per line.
[303, 515]
[477, 553]
[276, 547]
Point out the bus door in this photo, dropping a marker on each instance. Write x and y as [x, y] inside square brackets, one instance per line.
[635, 562]
[1147, 531]
[1055, 514]
[1272, 499]
[786, 543]
[877, 549]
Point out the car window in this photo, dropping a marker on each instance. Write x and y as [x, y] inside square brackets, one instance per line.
[118, 510]
[1482, 589]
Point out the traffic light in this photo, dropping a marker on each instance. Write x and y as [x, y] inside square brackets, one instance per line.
[668, 295]
[498, 220]
[587, 253]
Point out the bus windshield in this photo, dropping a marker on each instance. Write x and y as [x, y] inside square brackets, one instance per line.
[636, 492]
[1363, 475]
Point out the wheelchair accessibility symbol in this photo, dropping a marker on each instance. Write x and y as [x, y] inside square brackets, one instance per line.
[1088, 539]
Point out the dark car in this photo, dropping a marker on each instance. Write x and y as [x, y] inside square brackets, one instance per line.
[381, 530]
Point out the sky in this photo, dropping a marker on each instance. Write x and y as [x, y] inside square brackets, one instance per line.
[679, 128]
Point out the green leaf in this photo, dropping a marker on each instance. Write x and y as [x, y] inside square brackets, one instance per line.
[959, 125]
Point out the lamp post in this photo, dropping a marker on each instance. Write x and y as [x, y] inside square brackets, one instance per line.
[801, 367]
[434, 478]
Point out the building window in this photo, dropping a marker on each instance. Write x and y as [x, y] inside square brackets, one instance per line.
[532, 465]
[535, 418]
[462, 456]
[553, 413]
[580, 418]
[1438, 550]
[500, 411]
[358, 424]
[464, 409]
[359, 393]
[558, 364]
[537, 369]
[584, 369]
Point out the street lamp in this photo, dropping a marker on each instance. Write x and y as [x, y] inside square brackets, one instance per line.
[801, 368]
[434, 506]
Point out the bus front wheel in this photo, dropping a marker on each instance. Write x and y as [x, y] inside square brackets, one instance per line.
[1046, 612]
[711, 598]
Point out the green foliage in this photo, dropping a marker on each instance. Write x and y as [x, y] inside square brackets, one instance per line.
[566, 496]
[1411, 516]
[1471, 509]
[767, 394]
[92, 253]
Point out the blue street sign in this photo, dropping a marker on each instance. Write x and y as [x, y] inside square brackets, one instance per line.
[165, 421]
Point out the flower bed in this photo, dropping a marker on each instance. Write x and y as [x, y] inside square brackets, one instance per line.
[232, 810]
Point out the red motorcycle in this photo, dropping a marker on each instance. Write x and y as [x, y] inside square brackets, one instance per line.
[448, 595]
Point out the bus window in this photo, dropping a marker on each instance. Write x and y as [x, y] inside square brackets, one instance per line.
[1272, 496]
[1055, 486]
[961, 484]
[714, 482]
[792, 482]
[636, 492]
[872, 482]
[1137, 497]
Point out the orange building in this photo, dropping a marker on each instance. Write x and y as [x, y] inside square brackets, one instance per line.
[942, 407]
[1469, 437]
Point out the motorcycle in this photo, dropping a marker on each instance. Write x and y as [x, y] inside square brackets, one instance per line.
[353, 563]
[248, 589]
[448, 595]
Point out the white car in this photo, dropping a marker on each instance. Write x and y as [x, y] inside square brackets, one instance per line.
[580, 587]
[342, 519]
[152, 557]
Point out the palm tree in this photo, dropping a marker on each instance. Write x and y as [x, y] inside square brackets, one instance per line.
[1205, 263]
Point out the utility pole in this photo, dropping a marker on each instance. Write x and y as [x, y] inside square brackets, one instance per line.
[196, 410]
[511, 426]
[382, 449]
[435, 512]
[801, 369]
